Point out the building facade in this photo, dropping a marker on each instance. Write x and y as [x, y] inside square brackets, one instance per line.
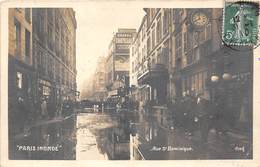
[153, 58]
[118, 60]
[184, 58]
[54, 53]
[99, 80]
[20, 68]
[137, 57]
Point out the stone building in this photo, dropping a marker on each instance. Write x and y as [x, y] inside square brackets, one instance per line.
[154, 60]
[99, 89]
[20, 67]
[54, 53]
[118, 59]
[20, 48]
[205, 66]
[185, 56]
[137, 57]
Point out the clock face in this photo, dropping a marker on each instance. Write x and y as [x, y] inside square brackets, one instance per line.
[199, 19]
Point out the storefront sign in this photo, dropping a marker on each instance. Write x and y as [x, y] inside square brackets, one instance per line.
[113, 93]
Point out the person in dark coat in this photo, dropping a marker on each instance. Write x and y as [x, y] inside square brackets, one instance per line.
[203, 117]
[51, 108]
[22, 113]
[220, 118]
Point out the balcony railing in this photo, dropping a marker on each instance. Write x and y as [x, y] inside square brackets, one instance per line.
[153, 71]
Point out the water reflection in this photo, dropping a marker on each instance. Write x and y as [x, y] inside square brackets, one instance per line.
[47, 140]
[102, 136]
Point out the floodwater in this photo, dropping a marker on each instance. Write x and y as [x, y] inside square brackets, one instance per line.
[101, 137]
[45, 140]
[85, 136]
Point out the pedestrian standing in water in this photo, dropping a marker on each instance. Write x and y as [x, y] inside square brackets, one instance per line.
[51, 108]
[22, 114]
[220, 119]
[202, 112]
[44, 108]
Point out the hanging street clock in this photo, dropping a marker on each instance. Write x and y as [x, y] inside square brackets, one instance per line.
[199, 19]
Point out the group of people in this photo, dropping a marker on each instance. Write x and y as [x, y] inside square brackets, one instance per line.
[26, 111]
[195, 113]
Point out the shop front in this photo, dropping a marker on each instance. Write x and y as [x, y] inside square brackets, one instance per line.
[156, 77]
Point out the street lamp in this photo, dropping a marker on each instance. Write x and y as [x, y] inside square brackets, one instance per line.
[214, 78]
[227, 76]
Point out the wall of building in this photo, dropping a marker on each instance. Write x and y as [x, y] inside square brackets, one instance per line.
[17, 16]
[20, 71]
[118, 59]
[54, 38]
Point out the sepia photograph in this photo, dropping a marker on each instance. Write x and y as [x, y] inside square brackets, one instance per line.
[132, 83]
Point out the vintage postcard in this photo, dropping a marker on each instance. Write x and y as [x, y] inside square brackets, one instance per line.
[130, 81]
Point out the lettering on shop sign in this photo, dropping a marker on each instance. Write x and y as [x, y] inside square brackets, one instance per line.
[123, 35]
[171, 148]
[124, 40]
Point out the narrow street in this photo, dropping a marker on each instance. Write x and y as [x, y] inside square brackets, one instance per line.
[101, 136]
[176, 144]
[164, 86]
[88, 125]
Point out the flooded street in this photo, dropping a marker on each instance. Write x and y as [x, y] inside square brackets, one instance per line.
[101, 136]
[85, 136]
[46, 140]
[120, 136]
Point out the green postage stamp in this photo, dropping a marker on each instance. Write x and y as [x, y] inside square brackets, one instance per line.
[240, 23]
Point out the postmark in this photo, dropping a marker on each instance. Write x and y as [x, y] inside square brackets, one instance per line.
[240, 23]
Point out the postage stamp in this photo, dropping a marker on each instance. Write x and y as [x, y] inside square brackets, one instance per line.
[240, 23]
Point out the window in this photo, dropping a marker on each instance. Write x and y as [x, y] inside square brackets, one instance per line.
[159, 56]
[183, 84]
[19, 76]
[200, 82]
[63, 44]
[57, 22]
[202, 36]
[158, 31]
[188, 82]
[197, 82]
[195, 39]
[143, 32]
[19, 9]
[193, 82]
[204, 78]
[148, 45]
[17, 36]
[27, 13]
[185, 44]
[196, 54]
[153, 38]
[27, 43]
[189, 40]
[57, 44]
[40, 27]
[176, 16]
[208, 31]
[50, 16]
[206, 48]
[50, 35]
[153, 60]
[178, 45]
[189, 58]
[166, 22]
